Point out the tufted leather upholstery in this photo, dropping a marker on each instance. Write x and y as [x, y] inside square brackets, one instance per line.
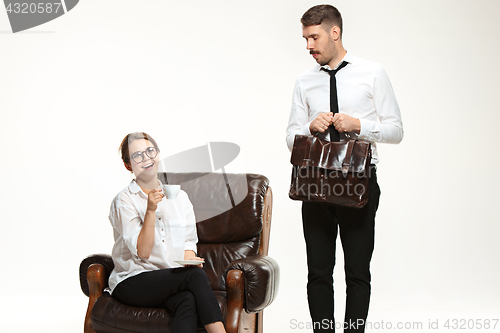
[233, 213]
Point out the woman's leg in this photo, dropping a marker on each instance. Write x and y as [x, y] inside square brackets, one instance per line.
[159, 289]
[183, 306]
[216, 327]
[153, 289]
[197, 282]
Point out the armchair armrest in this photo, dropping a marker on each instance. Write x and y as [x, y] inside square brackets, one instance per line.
[94, 274]
[261, 280]
[103, 259]
[235, 296]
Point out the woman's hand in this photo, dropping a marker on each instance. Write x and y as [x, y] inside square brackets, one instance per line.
[190, 255]
[154, 197]
[199, 259]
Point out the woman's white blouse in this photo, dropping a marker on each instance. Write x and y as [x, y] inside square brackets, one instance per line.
[175, 232]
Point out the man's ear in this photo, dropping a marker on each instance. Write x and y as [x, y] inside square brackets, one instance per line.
[127, 166]
[335, 31]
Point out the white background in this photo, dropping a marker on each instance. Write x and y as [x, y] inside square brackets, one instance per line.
[192, 72]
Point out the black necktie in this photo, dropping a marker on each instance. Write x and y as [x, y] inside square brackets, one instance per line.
[334, 105]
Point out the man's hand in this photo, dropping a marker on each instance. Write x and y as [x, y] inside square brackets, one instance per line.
[321, 123]
[345, 123]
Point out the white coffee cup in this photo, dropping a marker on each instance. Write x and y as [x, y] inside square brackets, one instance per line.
[171, 191]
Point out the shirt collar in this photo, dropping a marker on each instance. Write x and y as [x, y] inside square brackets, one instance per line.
[348, 57]
[135, 188]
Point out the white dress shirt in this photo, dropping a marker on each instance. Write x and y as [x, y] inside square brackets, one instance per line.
[364, 92]
[175, 232]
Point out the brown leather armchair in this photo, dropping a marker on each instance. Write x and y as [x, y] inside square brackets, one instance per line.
[233, 212]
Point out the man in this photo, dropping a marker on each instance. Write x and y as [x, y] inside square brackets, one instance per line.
[368, 111]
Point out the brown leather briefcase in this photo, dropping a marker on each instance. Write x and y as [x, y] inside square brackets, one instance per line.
[330, 172]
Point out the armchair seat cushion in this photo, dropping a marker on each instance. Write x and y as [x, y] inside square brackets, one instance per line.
[112, 316]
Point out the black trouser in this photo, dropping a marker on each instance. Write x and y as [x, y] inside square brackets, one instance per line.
[357, 231]
[185, 291]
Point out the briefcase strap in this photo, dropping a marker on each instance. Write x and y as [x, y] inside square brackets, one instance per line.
[347, 160]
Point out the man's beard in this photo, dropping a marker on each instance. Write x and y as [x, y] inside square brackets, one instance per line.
[318, 59]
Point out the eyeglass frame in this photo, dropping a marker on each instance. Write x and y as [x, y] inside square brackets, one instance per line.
[142, 153]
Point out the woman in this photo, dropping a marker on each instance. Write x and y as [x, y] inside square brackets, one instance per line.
[151, 233]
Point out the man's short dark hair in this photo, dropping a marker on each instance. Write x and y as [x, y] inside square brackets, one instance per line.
[322, 14]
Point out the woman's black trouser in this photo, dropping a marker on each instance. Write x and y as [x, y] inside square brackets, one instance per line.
[185, 291]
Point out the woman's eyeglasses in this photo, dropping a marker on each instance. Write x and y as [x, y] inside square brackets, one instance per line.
[138, 156]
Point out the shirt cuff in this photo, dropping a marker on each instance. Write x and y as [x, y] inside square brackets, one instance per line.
[132, 244]
[364, 132]
[191, 247]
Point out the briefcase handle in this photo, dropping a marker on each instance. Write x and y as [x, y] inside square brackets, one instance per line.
[331, 128]
[348, 155]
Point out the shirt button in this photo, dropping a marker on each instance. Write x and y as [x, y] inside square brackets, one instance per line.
[163, 240]
[159, 218]
[162, 229]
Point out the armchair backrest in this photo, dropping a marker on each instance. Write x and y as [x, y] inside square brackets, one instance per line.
[232, 214]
